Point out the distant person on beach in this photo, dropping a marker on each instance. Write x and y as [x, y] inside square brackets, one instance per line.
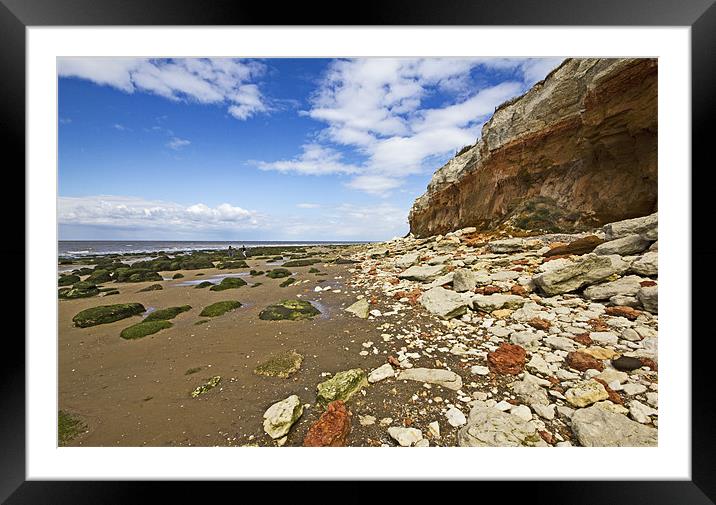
[243, 250]
[231, 252]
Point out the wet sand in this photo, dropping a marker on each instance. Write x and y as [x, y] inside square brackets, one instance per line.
[136, 393]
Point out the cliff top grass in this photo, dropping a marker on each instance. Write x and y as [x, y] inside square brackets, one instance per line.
[107, 314]
[292, 310]
[228, 283]
[168, 313]
[225, 265]
[220, 308]
[68, 427]
[143, 329]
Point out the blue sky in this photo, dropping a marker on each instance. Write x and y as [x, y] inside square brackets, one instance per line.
[271, 149]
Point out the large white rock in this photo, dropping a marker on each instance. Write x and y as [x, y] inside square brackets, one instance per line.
[444, 302]
[490, 427]
[626, 286]
[488, 303]
[444, 378]
[407, 260]
[648, 264]
[646, 226]
[360, 308]
[405, 436]
[625, 246]
[649, 298]
[280, 416]
[381, 373]
[598, 427]
[464, 280]
[455, 417]
[422, 274]
[571, 276]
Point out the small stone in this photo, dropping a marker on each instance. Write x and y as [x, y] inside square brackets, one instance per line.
[586, 393]
[479, 370]
[366, 420]
[582, 361]
[382, 372]
[521, 411]
[626, 363]
[507, 359]
[434, 429]
[455, 417]
[360, 308]
[279, 418]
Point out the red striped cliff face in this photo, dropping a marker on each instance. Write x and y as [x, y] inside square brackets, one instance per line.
[579, 149]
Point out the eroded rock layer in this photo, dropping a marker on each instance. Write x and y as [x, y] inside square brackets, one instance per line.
[577, 150]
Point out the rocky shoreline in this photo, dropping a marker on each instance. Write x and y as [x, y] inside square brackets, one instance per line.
[541, 341]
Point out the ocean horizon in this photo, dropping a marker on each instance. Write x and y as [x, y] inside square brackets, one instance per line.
[81, 248]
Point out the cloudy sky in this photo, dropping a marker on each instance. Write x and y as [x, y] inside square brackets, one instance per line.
[273, 149]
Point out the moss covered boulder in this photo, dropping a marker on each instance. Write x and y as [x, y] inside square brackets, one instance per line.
[152, 287]
[68, 280]
[301, 262]
[136, 275]
[341, 386]
[168, 313]
[178, 276]
[203, 284]
[220, 308]
[225, 265]
[143, 329]
[287, 282]
[107, 314]
[254, 273]
[99, 275]
[280, 365]
[79, 290]
[313, 270]
[292, 310]
[278, 273]
[228, 283]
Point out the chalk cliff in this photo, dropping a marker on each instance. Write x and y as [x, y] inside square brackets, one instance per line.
[579, 149]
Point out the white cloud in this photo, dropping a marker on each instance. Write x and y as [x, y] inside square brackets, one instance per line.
[374, 108]
[176, 143]
[131, 212]
[315, 160]
[120, 127]
[203, 80]
[308, 205]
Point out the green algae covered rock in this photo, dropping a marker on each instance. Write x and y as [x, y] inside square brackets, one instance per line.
[301, 262]
[287, 282]
[178, 276]
[136, 275]
[68, 427]
[280, 365]
[203, 284]
[144, 328]
[225, 265]
[341, 386]
[228, 283]
[211, 384]
[99, 275]
[107, 314]
[79, 290]
[68, 280]
[152, 287]
[292, 310]
[278, 273]
[168, 313]
[220, 308]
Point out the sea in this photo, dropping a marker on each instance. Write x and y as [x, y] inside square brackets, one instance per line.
[83, 248]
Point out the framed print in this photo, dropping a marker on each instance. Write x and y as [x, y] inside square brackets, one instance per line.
[429, 241]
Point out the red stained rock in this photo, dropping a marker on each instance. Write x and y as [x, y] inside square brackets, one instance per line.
[546, 436]
[507, 359]
[580, 246]
[650, 363]
[331, 429]
[518, 290]
[488, 290]
[622, 311]
[646, 284]
[393, 361]
[614, 397]
[582, 361]
[598, 324]
[539, 323]
[583, 338]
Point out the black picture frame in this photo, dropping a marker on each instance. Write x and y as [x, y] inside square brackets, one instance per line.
[700, 15]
